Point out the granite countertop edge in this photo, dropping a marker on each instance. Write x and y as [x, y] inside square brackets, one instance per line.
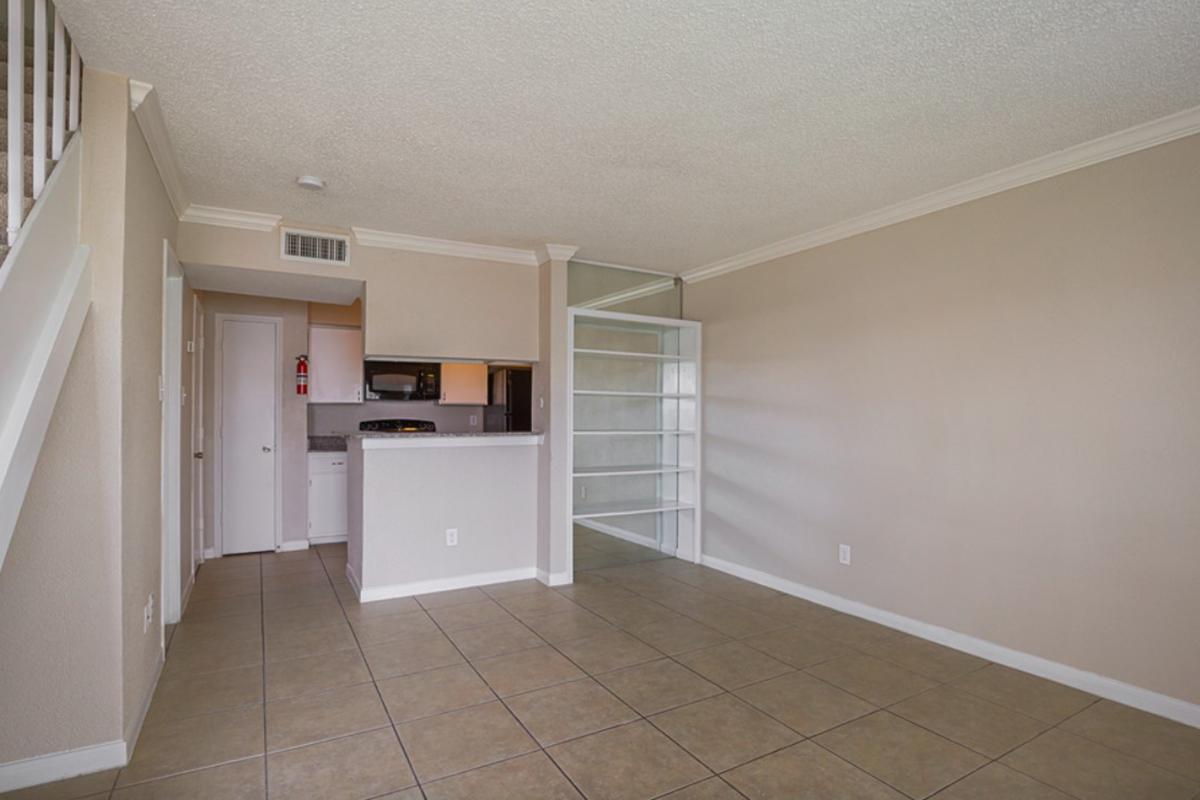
[336, 443]
[433, 435]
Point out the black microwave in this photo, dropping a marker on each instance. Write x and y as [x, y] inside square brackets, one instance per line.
[402, 380]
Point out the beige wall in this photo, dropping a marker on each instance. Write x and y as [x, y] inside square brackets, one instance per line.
[416, 304]
[995, 405]
[550, 388]
[149, 219]
[350, 316]
[294, 423]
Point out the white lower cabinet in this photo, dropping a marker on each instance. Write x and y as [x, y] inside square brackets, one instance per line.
[328, 507]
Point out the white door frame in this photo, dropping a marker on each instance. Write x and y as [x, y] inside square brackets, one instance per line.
[197, 443]
[218, 323]
[171, 397]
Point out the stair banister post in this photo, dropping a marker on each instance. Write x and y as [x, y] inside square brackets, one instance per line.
[16, 116]
[60, 88]
[39, 95]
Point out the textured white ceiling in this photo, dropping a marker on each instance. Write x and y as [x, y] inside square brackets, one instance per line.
[662, 134]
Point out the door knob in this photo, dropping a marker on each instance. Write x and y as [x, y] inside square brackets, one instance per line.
[197, 454]
[266, 449]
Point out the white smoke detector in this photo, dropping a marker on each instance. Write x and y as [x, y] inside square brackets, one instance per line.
[310, 182]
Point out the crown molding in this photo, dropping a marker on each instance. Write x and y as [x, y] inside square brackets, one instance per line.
[626, 295]
[143, 102]
[443, 247]
[610, 265]
[230, 218]
[554, 252]
[1115, 145]
[137, 93]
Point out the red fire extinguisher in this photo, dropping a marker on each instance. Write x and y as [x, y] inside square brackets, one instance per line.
[302, 374]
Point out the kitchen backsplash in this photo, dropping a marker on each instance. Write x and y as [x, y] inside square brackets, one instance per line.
[328, 419]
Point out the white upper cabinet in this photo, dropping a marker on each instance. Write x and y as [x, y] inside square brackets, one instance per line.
[335, 365]
[464, 384]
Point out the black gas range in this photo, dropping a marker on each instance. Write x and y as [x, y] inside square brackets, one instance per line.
[398, 426]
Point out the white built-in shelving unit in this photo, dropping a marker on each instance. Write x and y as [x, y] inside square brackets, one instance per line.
[635, 428]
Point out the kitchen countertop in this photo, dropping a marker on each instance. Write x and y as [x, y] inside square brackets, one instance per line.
[376, 440]
[430, 434]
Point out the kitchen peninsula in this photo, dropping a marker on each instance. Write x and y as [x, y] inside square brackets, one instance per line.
[436, 511]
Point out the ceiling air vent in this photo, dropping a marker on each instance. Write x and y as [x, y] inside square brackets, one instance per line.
[320, 247]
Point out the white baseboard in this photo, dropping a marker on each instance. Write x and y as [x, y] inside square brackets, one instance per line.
[620, 533]
[186, 596]
[355, 583]
[315, 540]
[555, 578]
[292, 544]
[437, 585]
[60, 766]
[1099, 685]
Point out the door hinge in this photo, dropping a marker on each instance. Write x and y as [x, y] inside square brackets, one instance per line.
[191, 346]
[162, 389]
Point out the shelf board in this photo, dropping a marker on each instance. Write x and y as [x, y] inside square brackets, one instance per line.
[631, 469]
[607, 393]
[635, 433]
[587, 351]
[626, 508]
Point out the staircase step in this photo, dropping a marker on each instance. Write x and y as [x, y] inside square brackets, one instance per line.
[28, 75]
[28, 172]
[28, 137]
[4, 212]
[28, 103]
[28, 52]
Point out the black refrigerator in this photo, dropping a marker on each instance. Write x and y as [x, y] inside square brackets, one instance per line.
[510, 400]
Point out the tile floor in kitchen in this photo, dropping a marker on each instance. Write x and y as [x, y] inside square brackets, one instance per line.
[648, 677]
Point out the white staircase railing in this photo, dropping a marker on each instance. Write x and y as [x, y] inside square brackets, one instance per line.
[64, 112]
[45, 282]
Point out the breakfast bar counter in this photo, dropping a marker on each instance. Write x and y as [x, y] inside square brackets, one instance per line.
[436, 511]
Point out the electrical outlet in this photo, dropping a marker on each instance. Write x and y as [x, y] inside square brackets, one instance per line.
[844, 554]
[474, 420]
[451, 537]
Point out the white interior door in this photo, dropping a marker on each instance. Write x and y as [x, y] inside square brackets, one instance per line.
[249, 405]
[197, 432]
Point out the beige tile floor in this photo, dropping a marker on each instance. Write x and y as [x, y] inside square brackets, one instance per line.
[646, 678]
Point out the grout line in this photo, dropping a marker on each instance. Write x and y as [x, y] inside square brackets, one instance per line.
[188, 771]
[374, 683]
[500, 699]
[262, 611]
